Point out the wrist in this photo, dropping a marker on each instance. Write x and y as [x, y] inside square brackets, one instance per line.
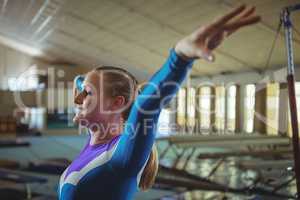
[179, 49]
[181, 55]
[178, 61]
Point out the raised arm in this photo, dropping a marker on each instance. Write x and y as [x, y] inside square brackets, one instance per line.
[163, 85]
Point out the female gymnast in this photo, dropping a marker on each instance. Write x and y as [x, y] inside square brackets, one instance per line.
[119, 157]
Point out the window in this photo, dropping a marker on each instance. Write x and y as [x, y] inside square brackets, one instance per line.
[22, 84]
[164, 122]
[27, 81]
[205, 105]
[181, 107]
[220, 108]
[249, 107]
[231, 107]
[191, 107]
[272, 108]
[61, 98]
[37, 118]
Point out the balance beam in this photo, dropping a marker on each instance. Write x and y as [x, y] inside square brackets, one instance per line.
[264, 153]
[17, 177]
[270, 164]
[13, 143]
[227, 140]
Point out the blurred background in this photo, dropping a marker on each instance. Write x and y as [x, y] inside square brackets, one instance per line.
[225, 135]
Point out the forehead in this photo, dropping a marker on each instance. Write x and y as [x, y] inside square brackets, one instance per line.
[94, 79]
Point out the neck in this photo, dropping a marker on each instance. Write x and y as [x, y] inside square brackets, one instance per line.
[107, 131]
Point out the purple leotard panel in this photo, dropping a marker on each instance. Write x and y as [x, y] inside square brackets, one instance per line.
[88, 153]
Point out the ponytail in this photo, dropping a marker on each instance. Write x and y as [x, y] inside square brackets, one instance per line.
[150, 171]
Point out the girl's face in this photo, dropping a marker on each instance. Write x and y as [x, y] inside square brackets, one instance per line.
[95, 106]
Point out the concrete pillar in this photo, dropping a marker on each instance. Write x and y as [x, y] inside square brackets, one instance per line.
[213, 109]
[226, 109]
[173, 115]
[283, 109]
[198, 116]
[181, 117]
[190, 113]
[240, 109]
[260, 108]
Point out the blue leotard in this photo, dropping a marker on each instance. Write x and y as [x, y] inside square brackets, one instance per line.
[112, 171]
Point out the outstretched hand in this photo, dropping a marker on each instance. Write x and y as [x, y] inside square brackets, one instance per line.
[205, 39]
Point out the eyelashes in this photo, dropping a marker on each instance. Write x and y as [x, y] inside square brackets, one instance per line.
[88, 90]
[89, 93]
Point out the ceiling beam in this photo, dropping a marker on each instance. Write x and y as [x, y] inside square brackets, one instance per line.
[3, 8]
[81, 40]
[94, 61]
[118, 35]
[104, 29]
[181, 33]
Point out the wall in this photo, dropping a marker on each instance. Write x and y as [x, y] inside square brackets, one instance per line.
[14, 63]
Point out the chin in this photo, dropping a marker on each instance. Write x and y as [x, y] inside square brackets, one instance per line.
[86, 120]
[80, 120]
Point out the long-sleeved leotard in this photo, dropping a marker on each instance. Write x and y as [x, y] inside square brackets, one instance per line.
[112, 171]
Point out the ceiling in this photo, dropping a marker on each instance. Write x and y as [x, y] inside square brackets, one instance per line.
[139, 33]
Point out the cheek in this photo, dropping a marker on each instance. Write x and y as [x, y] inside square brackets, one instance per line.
[107, 105]
[95, 108]
[89, 103]
[89, 109]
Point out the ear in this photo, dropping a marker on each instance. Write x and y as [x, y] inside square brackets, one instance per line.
[118, 102]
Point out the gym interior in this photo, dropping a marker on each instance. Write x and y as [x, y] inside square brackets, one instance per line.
[231, 131]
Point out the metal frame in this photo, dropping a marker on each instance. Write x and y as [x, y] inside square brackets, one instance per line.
[270, 147]
[285, 17]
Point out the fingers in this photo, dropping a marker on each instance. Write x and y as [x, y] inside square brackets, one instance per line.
[207, 38]
[248, 12]
[225, 18]
[229, 28]
[232, 27]
[246, 18]
[218, 24]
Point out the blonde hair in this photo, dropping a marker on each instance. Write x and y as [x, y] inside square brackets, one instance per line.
[150, 171]
[120, 84]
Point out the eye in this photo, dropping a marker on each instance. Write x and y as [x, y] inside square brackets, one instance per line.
[88, 90]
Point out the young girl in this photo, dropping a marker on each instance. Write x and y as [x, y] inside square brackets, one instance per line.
[119, 157]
